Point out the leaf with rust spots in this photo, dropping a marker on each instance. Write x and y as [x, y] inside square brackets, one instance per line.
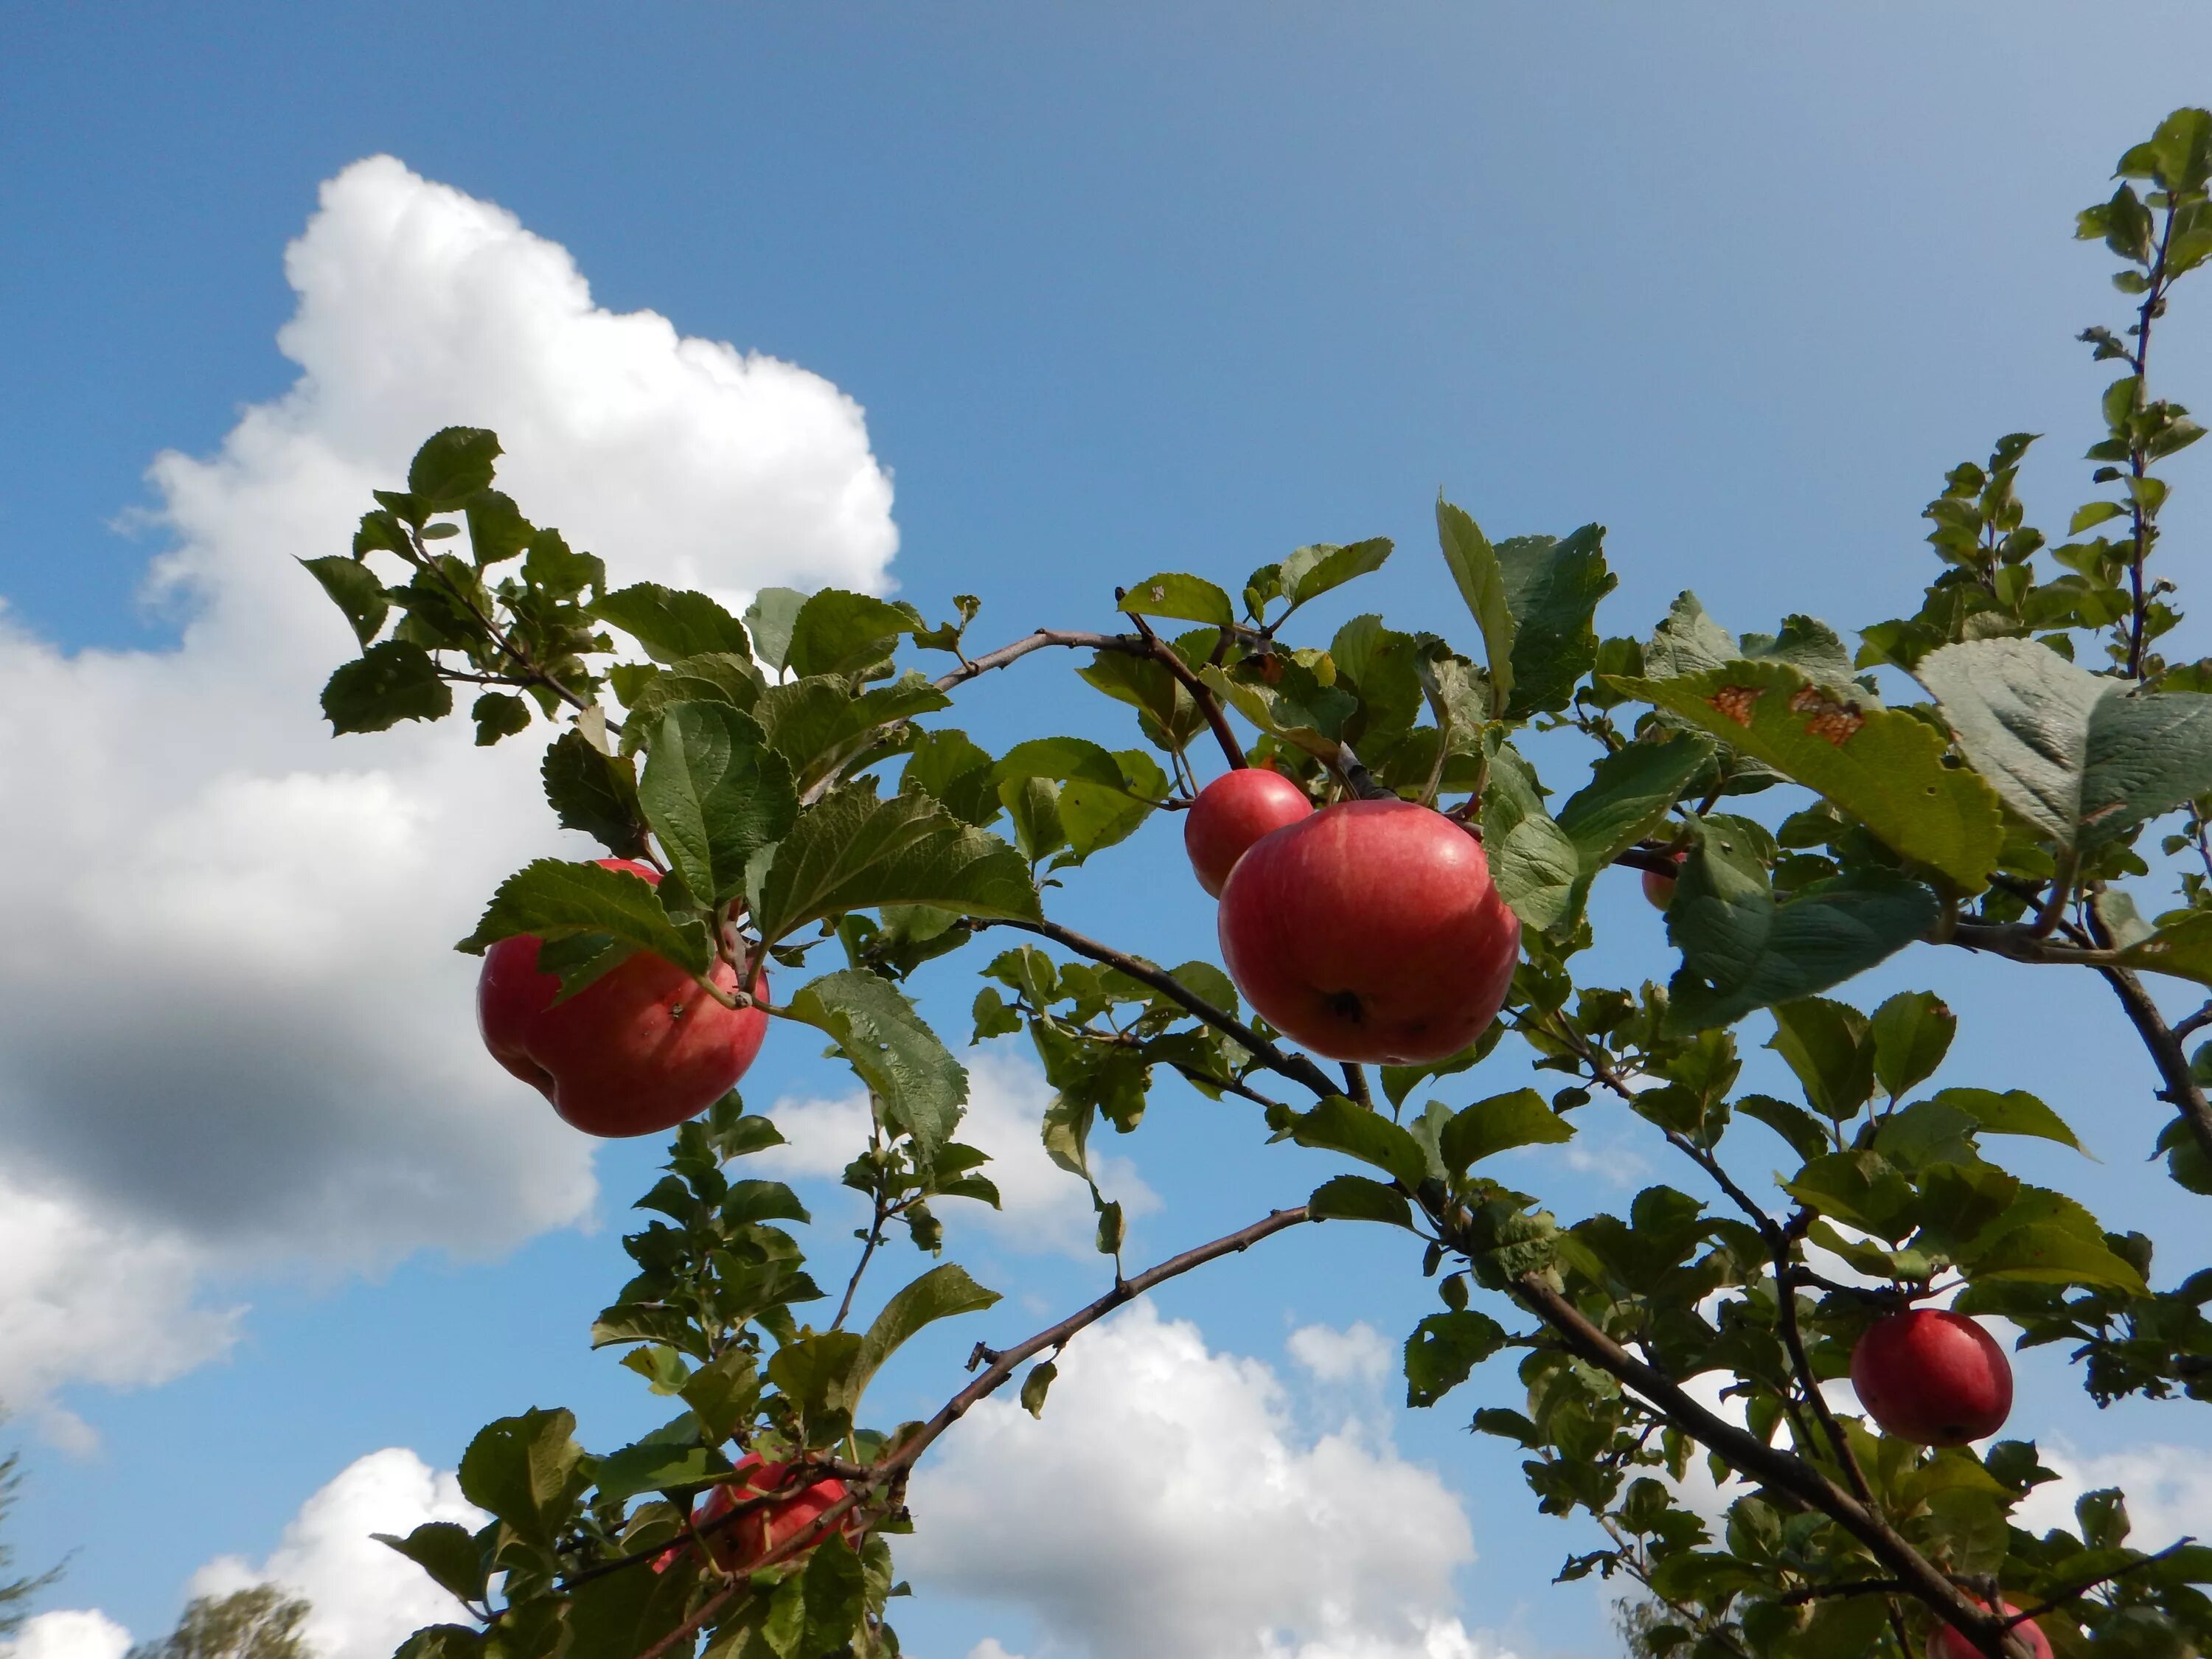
[1882, 766]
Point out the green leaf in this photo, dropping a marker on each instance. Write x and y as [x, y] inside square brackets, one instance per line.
[1095, 817]
[770, 618]
[2183, 947]
[594, 792]
[946, 764]
[673, 623]
[1882, 766]
[812, 1370]
[497, 715]
[1536, 865]
[840, 633]
[891, 1048]
[2050, 1253]
[1553, 588]
[555, 900]
[354, 588]
[1474, 566]
[1688, 642]
[721, 677]
[715, 794]
[941, 1293]
[1793, 1123]
[1167, 715]
[1742, 950]
[668, 1458]
[1355, 1198]
[387, 683]
[1826, 1044]
[1312, 571]
[524, 1470]
[2015, 1112]
[453, 466]
[1035, 1385]
[853, 852]
[497, 530]
[1629, 795]
[1858, 1189]
[1444, 1349]
[448, 1552]
[1912, 1032]
[1516, 1119]
[1296, 708]
[1338, 1125]
[1063, 759]
[1172, 593]
[2075, 754]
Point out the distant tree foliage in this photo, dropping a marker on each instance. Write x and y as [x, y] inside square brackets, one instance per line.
[15, 1594]
[260, 1622]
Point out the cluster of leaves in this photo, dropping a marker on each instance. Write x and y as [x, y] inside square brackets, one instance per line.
[783, 773]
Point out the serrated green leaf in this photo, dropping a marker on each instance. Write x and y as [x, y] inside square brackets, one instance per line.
[387, 683]
[2013, 1112]
[1826, 1045]
[1536, 865]
[1882, 766]
[853, 852]
[670, 1458]
[1313, 571]
[1167, 715]
[1062, 759]
[1553, 588]
[891, 1048]
[1355, 1198]
[448, 1552]
[1338, 1125]
[595, 792]
[524, 1469]
[1519, 1118]
[715, 794]
[943, 1292]
[836, 632]
[498, 714]
[948, 766]
[1444, 1351]
[2049, 1253]
[1742, 950]
[768, 619]
[2081, 756]
[354, 590]
[2182, 947]
[1796, 1126]
[1474, 568]
[452, 465]
[1911, 1033]
[673, 623]
[1688, 642]
[1186, 598]
[1629, 795]
[1296, 709]
[555, 900]
[497, 530]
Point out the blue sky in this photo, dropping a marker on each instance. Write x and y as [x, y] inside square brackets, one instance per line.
[1119, 289]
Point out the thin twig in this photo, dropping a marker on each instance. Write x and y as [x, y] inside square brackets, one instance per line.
[1201, 693]
[1295, 1067]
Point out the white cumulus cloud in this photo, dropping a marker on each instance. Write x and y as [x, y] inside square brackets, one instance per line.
[1356, 1354]
[1165, 1507]
[68, 1633]
[366, 1599]
[1041, 1207]
[233, 1027]
[2169, 1490]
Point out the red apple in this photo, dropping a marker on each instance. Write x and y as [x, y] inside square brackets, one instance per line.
[1232, 812]
[1933, 1377]
[634, 1053]
[1950, 1643]
[1659, 889]
[1371, 931]
[740, 1546]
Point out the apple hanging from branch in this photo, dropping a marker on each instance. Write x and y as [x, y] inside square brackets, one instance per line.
[634, 1053]
[1232, 813]
[1371, 931]
[1932, 1376]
